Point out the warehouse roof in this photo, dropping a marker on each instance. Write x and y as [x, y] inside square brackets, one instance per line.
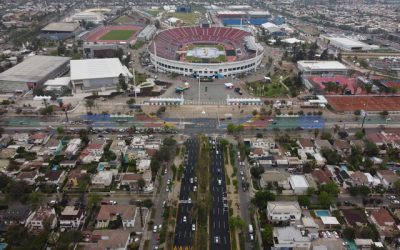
[298, 181]
[97, 68]
[61, 27]
[321, 65]
[33, 69]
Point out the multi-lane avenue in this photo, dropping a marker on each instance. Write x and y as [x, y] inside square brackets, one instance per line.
[219, 226]
[185, 223]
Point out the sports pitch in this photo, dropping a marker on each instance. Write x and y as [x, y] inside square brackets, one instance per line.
[118, 35]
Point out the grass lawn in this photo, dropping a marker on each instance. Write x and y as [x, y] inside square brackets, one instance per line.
[271, 90]
[123, 19]
[118, 35]
[187, 18]
[153, 13]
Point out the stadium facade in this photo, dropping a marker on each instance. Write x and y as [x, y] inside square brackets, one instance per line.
[169, 49]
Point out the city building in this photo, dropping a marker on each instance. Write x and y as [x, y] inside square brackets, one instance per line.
[347, 44]
[283, 211]
[321, 67]
[290, 238]
[92, 74]
[60, 30]
[32, 72]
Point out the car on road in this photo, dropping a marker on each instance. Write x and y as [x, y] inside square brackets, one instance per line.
[194, 188]
[328, 234]
[159, 227]
[191, 180]
[155, 229]
[167, 189]
[241, 173]
[195, 179]
[335, 234]
[251, 237]
[219, 182]
[111, 202]
[395, 202]
[184, 219]
[163, 204]
[237, 90]
[189, 200]
[165, 171]
[216, 239]
[193, 227]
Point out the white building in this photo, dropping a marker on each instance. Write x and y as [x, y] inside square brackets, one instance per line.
[348, 44]
[144, 164]
[71, 218]
[290, 238]
[321, 67]
[73, 147]
[102, 179]
[299, 184]
[92, 74]
[279, 211]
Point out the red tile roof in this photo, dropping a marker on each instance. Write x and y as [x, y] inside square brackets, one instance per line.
[382, 216]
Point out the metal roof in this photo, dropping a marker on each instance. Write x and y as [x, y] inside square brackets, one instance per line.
[33, 69]
[97, 68]
[61, 27]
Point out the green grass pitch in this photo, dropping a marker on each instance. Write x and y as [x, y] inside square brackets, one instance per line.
[118, 35]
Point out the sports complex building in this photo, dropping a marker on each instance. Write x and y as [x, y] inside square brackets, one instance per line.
[204, 51]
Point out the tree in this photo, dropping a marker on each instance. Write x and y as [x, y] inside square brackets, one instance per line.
[268, 234]
[332, 157]
[60, 130]
[357, 112]
[122, 82]
[147, 203]
[324, 55]
[303, 200]
[236, 222]
[141, 184]
[349, 233]
[261, 199]
[256, 172]
[371, 149]
[310, 191]
[89, 103]
[330, 188]
[94, 200]
[325, 199]
[326, 136]
[397, 186]
[131, 101]
[231, 128]
[359, 135]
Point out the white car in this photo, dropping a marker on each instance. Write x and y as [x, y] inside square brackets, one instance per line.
[241, 173]
[194, 188]
[165, 171]
[324, 235]
[216, 239]
[189, 200]
[159, 227]
[335, 234]
[184, 219]
[193, 227]
[191, 180]
[155, 229]
[328, 234]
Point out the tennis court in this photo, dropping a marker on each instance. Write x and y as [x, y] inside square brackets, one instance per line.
[367, 103]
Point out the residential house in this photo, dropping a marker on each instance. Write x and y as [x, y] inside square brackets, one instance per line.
[93, 152]
[38, 138]
[357, 143]
[110, 213]
[387, 177]
[258, 153]
[72, 147]
[359, 178]
[144, 164]
[75, 177]
[18, 215]
[376, 138]
[321, 144]
[342, 146]
[131, 179]
[382, 219]
[54, 177]
[28, 177]
[354, 217]
[42, 217]
[299, 184]
[5, 140]
[118, 147]
[321, 176]
[7, 153]
[68, 164]
[109, 239]
[283, 211]
[72, 217]
[290, 238]
[102, 179]
[306, 145]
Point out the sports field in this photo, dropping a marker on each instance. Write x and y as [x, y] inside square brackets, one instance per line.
[367, 103]
[118, 35]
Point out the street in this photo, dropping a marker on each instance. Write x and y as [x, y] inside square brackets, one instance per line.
[219, 225]
[185, 224]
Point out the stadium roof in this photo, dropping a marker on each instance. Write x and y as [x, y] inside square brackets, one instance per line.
[33, 68]
[97, 68]
[61, 27]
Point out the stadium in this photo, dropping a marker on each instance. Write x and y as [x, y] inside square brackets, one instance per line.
[113, 34]
[205, 51]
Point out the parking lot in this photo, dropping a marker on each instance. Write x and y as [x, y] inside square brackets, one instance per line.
[213, 93]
